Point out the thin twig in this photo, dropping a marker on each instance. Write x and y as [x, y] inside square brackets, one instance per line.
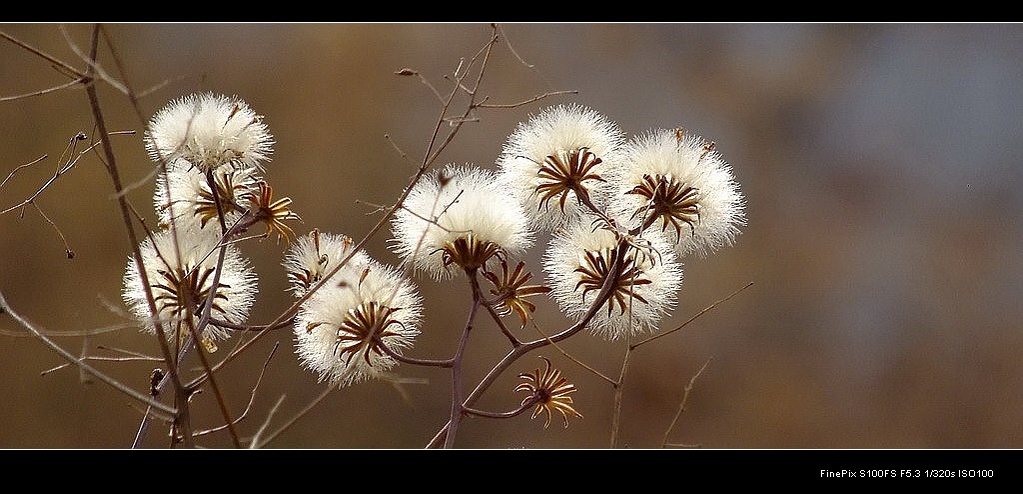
[410, 72]
[456, 369]
[528, 101]
[58, 334]
[5, 308]
[606, 290]
[691, 319]
[252, 395]
[491, 308]
[619, 389]
[525, 405]
[95, 70]
[682, 405]
[101, 359]
[515, 53]
[61, 170]
[380, 343]
[181, 414]
[266, 423]
[250, 327]
[20, 167]
[569, 356]
[129, 352]
[40, 92]
[258, 443]
[207, 309]
[79, 76]
[616, 410]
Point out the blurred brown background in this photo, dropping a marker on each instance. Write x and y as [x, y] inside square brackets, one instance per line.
[880, 163]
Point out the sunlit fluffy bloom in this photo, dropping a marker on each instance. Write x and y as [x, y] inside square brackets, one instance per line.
[176, 275]
[578, 261]
[339, 329]
[185, 197]
[549, 391]
[558, 156]
[678, 184]
[209, 130]
[458, 217]
[313, 256]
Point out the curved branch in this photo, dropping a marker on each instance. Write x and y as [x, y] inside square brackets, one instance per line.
[514, 354]
[526, 405]
[112, 170]
[5, 308]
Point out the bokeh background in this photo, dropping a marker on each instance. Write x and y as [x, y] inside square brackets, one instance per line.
[880, 164]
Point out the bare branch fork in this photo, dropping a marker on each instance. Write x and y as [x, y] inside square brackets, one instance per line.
[112, 170]
[87, 79]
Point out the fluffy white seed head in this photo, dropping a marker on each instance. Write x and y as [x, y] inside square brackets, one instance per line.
[577, 263]
[209, 130]
[556, 155]
[456, 217]
[185, 272]
[185, 197]
[335, 327]
[313, 256]
[677, 183]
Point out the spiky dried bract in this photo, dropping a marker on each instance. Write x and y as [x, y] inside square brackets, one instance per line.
[209, 130]
[580, 258]
[549, 391]
[340, 328]
[313, 256]
[558, 156]
[677, 183]
[184, 196]
[272, 213]
[458, 219]
[181, 279]
[511, 290]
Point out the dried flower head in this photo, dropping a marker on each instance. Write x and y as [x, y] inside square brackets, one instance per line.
[580, 259]
[209, 130]
[511, 290]
[556, 160]
[549, 391]
[312, 256]
[341, 329]
[181, 270]
[272, 213]
[457, 217]
[677, 183]
[185, 197]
